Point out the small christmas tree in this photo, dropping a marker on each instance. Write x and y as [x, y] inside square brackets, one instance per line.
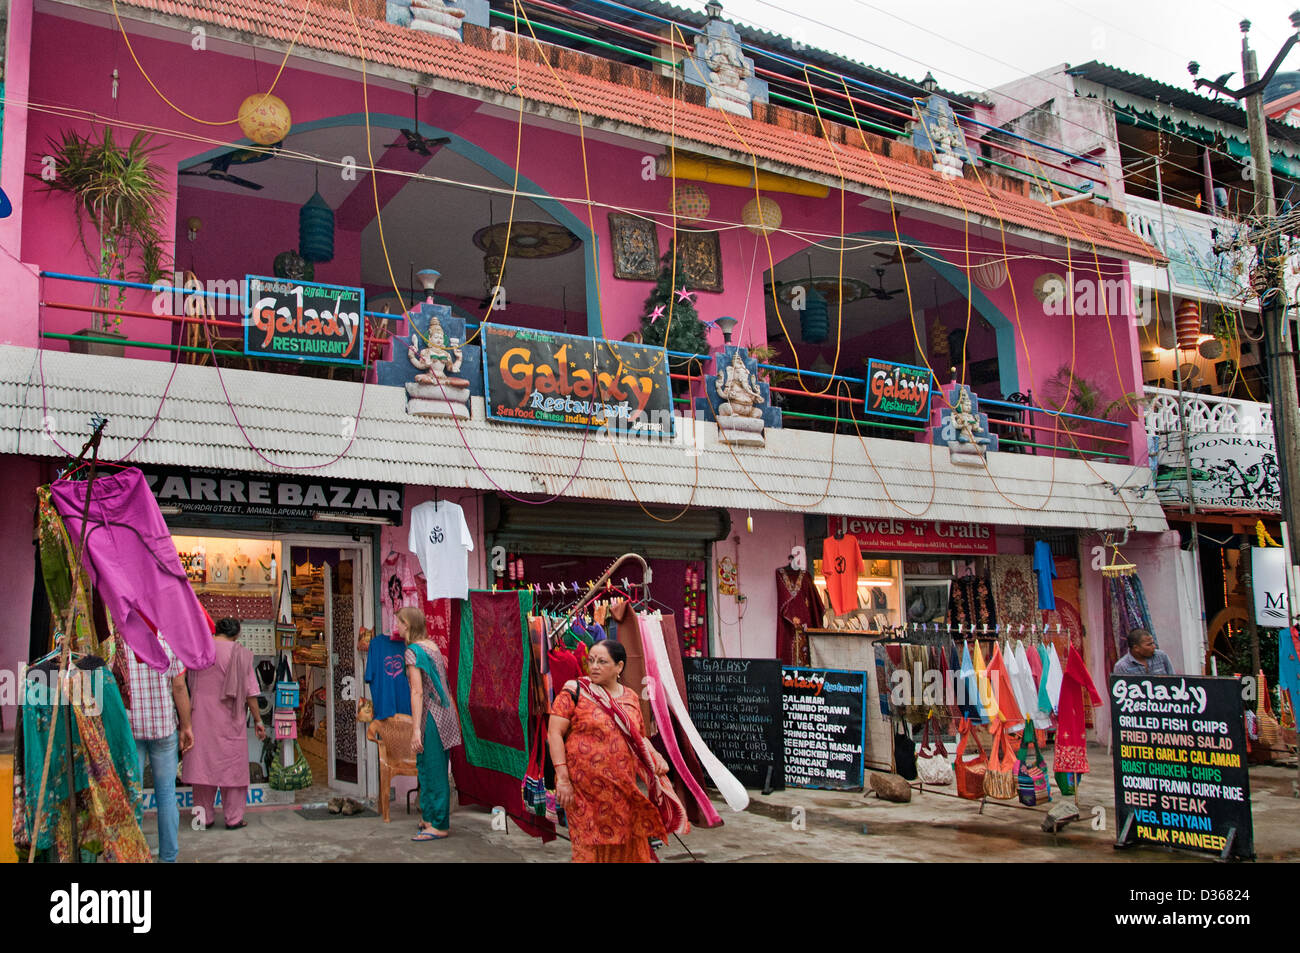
[687, 332]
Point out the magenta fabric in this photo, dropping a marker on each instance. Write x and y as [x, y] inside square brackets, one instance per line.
[233, 802]
[132, 561]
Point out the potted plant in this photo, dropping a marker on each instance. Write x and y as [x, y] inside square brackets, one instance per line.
[119, 192]
[686, 333]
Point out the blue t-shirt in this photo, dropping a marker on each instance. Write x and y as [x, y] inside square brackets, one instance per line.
[1045, 569]
[386, 676]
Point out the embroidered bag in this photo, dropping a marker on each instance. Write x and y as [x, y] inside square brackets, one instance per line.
[295, 777]
[286, 725]
[932, 762]
[904, 752]
[969, 774]
[1032, 780]
[1000, 780]
[286, 687]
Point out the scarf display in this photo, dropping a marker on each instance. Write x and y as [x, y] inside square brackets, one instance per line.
[670, 809]
[733, 792]
[1125, 606]
[970, 603]
[492, 683]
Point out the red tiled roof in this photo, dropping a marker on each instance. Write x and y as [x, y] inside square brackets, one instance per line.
[331, 29]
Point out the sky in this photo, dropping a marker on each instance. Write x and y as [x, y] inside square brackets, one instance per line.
[975, 46]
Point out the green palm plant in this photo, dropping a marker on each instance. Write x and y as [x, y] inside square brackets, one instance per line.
[119, 192]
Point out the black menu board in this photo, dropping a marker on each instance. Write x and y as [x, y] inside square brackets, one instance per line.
[825, 727]
[736, 705]
[1180, 763]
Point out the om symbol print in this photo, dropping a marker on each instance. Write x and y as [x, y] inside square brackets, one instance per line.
[840, 564]
[436, 535]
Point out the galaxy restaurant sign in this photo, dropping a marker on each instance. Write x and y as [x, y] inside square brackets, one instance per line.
[289, 319]
[898, 390]
[562, 380]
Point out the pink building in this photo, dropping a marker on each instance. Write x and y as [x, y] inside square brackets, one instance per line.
[430, 147]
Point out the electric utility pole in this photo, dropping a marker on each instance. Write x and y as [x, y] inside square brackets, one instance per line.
[1279, 336]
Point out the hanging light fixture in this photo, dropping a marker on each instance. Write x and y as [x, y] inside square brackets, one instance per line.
[990, 274]
[761, 215]
[264, 119]
[1187, 325]
[814, 320]
[316, 228]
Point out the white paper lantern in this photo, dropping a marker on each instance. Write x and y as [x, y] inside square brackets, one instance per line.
[990, 274]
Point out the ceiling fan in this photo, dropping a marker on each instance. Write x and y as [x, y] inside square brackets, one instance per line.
[412, 139]
[879, 292]
[219, 169]
[893, 258]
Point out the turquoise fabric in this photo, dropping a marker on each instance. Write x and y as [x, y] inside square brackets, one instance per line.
[431, 770]
[37, 718]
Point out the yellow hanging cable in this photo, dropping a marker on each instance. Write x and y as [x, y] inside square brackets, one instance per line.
[161, 95]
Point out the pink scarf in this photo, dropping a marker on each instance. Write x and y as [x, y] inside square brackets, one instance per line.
[661, 793]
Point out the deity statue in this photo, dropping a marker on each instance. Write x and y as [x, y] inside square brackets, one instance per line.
[738, 390]
[437, 357]
[947, 142]
[964, 422]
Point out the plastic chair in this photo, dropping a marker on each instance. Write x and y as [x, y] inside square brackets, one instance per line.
[393, 736]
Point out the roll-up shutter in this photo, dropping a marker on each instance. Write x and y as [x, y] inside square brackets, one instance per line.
[602, 529]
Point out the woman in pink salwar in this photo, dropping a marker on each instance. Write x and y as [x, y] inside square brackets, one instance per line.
[222, 695]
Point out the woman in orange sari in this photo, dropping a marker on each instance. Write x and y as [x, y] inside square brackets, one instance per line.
[599, 751]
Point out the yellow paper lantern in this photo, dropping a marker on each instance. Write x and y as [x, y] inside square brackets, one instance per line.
[761, 215]
[264, 118]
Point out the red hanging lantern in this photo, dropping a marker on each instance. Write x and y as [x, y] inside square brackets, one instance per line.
[1187, 325]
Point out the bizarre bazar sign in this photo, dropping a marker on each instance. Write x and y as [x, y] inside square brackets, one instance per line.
[894, 535]
[898, 390]
[562, 380]
[825, 727]
[1180, 763]
[289, 319]
[266, 494]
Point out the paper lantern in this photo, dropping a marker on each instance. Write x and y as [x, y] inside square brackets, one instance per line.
[990, 274]
[1187, 325]
[761, 215]
[1049, 285]
[316, 230]
[814, 320]
[690, 203]
[264, 118]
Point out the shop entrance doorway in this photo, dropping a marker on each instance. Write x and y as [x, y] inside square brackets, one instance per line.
[329, 589]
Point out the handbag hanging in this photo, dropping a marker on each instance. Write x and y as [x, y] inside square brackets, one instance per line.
[932, 761]
[904, 753]
[1001, 780]
[970, 774]
[294, 777]
[1033, 785]
[286, 686]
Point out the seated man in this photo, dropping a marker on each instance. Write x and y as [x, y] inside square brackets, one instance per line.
[1143, 658]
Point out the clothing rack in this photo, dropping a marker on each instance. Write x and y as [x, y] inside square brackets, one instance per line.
[594, 590]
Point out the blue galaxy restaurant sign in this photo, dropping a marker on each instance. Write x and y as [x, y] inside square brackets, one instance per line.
[300, 320]
[563, 380]
[898, 390]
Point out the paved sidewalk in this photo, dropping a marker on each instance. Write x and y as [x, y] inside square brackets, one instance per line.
[789, 826]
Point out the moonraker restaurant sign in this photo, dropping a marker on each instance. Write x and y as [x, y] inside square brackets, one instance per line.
[563, 380]
[289, 319]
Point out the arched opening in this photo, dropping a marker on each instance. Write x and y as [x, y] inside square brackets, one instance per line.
[932, 325]
[443, 202]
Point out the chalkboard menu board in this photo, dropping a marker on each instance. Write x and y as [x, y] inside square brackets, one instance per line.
[736, 705]
[1180, 763]
[825, 727]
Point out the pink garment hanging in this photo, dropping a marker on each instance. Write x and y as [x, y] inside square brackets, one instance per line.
[132, 561]
[664, 718]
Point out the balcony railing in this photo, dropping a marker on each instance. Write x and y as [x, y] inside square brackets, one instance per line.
[1206, 414]
[197, 335]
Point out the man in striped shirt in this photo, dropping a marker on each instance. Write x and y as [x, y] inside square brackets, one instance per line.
[160, 721]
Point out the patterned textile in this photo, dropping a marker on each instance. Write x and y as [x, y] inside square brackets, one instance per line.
[1125, 605]
[437, 620]
[970, 602]
[436, 697]
[1071, 752]
[492, 689]
[798, 607]
[1066, 614]
[883, 669]
[484, 786]
[56, 570]
[345, 667]
[1015, 590]
[109, 799]
[153, 710]
[609, 809]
